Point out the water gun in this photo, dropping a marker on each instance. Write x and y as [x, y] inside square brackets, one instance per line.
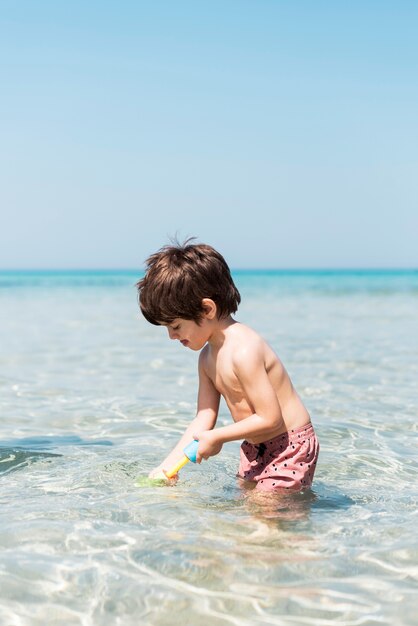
[190, 452]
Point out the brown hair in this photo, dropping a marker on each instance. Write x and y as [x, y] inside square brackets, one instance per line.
[178, 277]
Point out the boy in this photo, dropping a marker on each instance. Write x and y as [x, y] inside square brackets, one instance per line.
[189, 289]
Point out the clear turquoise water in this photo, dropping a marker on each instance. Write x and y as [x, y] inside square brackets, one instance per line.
[92, 396]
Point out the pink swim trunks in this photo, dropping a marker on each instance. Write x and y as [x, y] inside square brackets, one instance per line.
[286, 462]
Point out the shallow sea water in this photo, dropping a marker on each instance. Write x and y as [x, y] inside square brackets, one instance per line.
[92, 397]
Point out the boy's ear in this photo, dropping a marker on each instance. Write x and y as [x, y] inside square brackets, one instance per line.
[209, 307]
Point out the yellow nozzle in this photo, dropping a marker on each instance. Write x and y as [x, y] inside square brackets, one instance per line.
[177, 467]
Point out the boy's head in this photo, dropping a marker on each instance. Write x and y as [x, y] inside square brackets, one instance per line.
[179, 277]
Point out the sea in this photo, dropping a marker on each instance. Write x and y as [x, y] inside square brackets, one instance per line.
[92, 397]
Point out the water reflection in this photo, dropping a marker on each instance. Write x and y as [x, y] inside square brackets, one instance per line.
[12, 459]
[40, 442]
[279, 506]
[289, 515]
[15, 454]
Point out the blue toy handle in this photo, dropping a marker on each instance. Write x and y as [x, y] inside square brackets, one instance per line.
[191, 450]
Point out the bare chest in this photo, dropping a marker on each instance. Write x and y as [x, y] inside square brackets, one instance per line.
[228, 385]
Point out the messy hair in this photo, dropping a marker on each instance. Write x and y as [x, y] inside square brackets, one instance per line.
[179, 276]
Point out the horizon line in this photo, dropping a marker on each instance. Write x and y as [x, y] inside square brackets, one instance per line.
[232, 269]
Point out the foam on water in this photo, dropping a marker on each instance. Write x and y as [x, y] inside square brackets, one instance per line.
[92, 397]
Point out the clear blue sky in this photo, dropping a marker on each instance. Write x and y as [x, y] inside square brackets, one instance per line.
[283, 132]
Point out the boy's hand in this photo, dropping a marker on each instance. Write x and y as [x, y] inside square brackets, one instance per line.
[160, 474]
[209, 445]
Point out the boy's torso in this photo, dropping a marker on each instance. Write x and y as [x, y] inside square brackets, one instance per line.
[218, 366]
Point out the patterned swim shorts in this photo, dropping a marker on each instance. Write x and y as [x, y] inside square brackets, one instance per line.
[286, 462]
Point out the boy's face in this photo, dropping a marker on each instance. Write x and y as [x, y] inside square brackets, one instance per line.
[190, 334]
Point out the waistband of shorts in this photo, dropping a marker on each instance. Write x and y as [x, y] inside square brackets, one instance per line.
[297, 435]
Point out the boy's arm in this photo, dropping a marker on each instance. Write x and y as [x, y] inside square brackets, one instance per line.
[267, 417]
[207, 412]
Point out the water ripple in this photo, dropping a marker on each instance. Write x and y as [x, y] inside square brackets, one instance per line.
[92, 398]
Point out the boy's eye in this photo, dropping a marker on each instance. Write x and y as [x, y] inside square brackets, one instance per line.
[176, 327]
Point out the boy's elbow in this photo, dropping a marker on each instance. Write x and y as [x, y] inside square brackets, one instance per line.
[275, 420]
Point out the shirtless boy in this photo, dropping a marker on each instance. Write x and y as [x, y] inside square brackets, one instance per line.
[189, 289]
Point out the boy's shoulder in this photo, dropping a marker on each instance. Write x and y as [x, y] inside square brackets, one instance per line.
[244, 340]
[242, 330]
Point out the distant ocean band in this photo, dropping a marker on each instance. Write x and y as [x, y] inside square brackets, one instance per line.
[304, 279]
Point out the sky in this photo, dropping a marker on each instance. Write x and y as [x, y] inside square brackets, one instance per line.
[282, 132]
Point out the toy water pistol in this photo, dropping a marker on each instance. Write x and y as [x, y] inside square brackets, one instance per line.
[190, 452]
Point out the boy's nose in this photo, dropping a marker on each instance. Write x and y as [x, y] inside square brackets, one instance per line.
[171, 333]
